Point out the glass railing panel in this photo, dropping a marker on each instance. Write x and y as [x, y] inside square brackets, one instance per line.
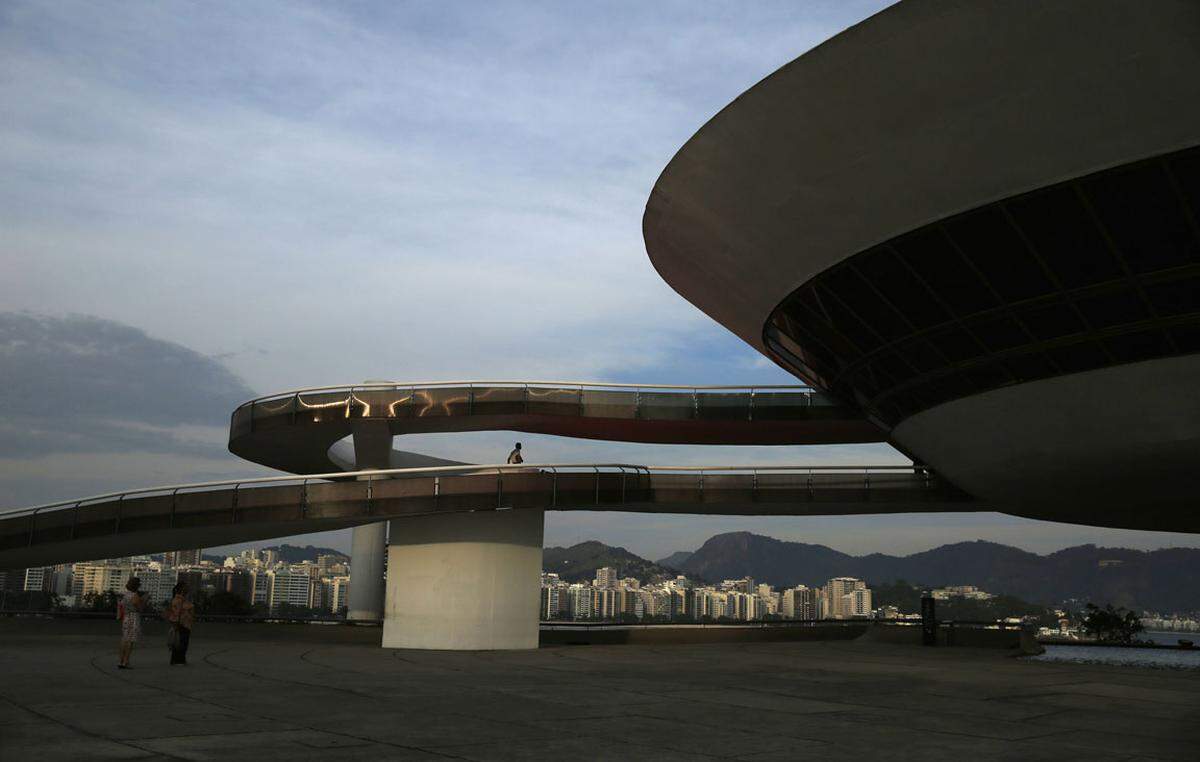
[468, 492]
[54, 526]
[321, 407]
[268, 504]
[609, 404]
[723, 406]
[140, 514]
[676, 488]
[666, 406]
[786, 487]
[14, 532]
[270, 414]
[441, 402]
[332, 500]
[899, 486]
[498, 400]
[381, 403]
[728, 488]
[555, 401]
[823, 400]
[841, 486]
[781, 406]
[531, 489]
[611, 489]
[204, 508]
[575, 490]
[96, 519]
[637, 487]
[396, 497]
[239, 426]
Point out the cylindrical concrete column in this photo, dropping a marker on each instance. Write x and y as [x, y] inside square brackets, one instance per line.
[464, 581]
[372, 449]
[367, 547]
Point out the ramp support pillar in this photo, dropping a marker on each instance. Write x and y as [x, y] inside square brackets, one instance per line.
[464, 581]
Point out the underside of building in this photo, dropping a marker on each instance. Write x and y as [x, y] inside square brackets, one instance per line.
[978, 224]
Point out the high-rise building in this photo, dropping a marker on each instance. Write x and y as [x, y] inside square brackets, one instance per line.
[291, 585]
[39, 579]
[604, 603]
[97, 577]
[341, 593]
[62, 579]
[606, 576]
[836, 597]
[270, 557]
[800, 602]
[260, 587]
[12, 579]
[857, 603]
[183, 557]
[550, 601]
[580, 601]
[629, 602]
[157, 580]
[234, 581]
[327, 562]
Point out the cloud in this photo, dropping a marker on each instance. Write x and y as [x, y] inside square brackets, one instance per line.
[92, 403]
[82, 383]
[468, 182]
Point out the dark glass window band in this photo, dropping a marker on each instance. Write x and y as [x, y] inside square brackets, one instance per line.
[1089, 273]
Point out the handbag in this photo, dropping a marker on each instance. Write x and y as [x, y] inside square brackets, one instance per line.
[173, 637]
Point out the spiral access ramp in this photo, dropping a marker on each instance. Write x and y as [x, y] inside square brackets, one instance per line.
[304, 432]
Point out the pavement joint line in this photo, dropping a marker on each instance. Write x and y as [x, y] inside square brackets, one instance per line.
[253, 714]
[356, 693]
[82, 731]
[606, 738]
[599, 735]
[396, 655]
[208, 660]
[213, 735]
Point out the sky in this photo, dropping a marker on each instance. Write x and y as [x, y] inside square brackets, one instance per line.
[205, 202]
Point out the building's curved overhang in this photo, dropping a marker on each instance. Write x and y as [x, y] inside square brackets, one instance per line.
[921, 112]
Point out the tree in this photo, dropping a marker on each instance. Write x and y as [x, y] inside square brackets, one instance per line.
[105, 601]
[1109, 625]
[226, 603]
[293, 611]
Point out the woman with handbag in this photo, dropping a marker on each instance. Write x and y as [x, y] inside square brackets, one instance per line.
[181, 614]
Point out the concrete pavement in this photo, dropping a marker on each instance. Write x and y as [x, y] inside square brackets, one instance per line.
[330, 693]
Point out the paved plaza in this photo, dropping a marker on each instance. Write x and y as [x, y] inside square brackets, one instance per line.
[330, 693]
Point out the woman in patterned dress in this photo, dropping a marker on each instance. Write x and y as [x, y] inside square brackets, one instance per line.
[129, 611]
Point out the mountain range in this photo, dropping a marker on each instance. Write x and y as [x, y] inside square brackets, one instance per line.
[1166, 580]
[580, 562]
[291, 554]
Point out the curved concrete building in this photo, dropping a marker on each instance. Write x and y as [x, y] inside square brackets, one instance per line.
[978, 223]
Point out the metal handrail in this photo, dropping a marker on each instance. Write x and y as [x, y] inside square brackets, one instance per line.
[437, 470]
[517, 383]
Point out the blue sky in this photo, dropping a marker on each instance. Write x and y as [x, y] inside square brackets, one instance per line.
[303, 194]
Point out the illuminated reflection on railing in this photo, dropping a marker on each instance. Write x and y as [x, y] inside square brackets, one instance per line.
[454, 398]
